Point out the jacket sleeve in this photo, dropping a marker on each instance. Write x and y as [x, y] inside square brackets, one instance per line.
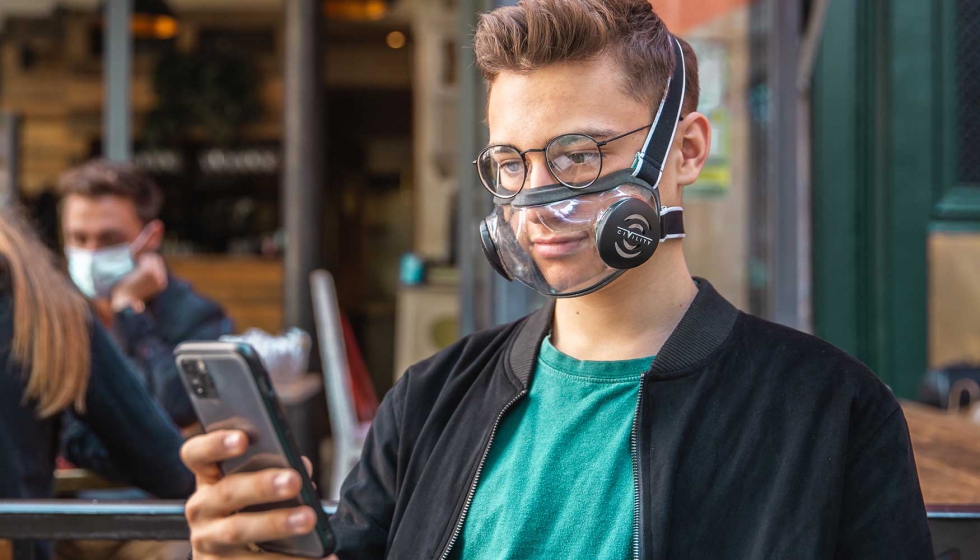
[11, 483]
[138, 437]
[367, 497]
[84, 449]
[140, 339]
[882, 512]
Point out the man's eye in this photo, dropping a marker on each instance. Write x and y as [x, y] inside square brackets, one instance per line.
[511, 167]
[580, 158]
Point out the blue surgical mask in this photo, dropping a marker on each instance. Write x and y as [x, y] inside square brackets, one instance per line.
[96, 272]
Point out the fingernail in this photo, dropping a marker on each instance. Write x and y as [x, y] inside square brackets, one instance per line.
[282, 481]
[232, 441]
[299, 519]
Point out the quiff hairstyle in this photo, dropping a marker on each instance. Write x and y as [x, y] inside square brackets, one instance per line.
[535, 34]
[101, 177]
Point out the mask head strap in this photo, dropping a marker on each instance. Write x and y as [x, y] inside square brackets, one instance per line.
[649, 162]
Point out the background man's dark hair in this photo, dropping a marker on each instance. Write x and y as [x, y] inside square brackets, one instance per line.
[106, 178]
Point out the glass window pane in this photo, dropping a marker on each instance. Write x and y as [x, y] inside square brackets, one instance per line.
[717, 206]
[954, 299]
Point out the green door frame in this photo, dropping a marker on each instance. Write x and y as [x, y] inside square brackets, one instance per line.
[875, 153]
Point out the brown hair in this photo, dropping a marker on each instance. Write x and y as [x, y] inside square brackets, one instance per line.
[51, 320]
[107, 178]
[539, 33]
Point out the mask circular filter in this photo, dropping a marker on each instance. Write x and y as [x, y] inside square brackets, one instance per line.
[628, 233]
[577, 245]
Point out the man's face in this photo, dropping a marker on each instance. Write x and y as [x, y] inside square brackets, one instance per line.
[98, 222]
[528, 110]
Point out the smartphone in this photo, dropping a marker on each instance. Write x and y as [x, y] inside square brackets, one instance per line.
[230, 389]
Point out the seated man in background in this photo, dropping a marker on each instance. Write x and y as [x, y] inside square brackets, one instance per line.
[112, 232]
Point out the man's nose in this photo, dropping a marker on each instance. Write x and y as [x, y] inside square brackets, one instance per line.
[537, 173]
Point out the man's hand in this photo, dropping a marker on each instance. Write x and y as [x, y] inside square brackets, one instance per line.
[103, 310]
[217, 531]
[145, 282]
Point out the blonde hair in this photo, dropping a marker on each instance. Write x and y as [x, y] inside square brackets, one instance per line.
[50, 320]
[538, 33]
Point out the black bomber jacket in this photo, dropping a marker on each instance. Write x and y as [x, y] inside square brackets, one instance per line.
[752, 441]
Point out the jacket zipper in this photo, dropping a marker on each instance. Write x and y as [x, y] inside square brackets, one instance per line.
[634, 454]
[476, 478]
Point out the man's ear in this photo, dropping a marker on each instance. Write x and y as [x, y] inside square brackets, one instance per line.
[695, 145]
[154, 236]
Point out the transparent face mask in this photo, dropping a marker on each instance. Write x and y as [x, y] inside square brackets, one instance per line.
[551, 247]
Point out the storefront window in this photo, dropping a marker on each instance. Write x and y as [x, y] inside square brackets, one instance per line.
[716, 207]
[954, 299]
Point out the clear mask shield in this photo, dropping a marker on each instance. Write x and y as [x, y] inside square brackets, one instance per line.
[548, 238]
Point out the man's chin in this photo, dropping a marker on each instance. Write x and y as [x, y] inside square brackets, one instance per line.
[564, 282]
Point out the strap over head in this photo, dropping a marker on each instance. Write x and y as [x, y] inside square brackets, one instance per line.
[649, 162]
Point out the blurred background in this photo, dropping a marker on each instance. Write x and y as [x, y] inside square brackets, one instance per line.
[842, 196]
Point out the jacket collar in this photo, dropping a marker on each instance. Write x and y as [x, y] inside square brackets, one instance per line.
[703, 329]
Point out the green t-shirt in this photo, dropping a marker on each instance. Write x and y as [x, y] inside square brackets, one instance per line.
[558, 481]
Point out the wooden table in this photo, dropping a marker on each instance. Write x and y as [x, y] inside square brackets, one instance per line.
[69, 481]
[947, 454]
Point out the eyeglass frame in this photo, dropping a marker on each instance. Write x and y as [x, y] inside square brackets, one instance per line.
[544, 150]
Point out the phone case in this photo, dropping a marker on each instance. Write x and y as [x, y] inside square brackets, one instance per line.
[236, 393]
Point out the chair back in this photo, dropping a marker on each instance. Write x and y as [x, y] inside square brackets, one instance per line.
[333, 356]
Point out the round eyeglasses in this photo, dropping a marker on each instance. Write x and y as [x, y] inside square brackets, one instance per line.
[574, 160]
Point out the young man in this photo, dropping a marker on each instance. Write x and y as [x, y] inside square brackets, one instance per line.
[640, 415]
[112, 232]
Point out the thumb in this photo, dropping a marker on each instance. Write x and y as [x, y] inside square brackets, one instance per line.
[155, 264]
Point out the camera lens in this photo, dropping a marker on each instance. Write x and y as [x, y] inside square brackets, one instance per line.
[196, 372]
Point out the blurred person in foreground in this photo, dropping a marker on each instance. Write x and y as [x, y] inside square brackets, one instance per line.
[55, 358]
[639, 415]
[112, 232]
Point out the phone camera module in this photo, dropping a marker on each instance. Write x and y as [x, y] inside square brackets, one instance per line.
[199, 379]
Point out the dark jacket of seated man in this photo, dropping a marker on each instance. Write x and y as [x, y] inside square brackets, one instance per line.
[148, 339]
[752, 441]
[110, 221]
